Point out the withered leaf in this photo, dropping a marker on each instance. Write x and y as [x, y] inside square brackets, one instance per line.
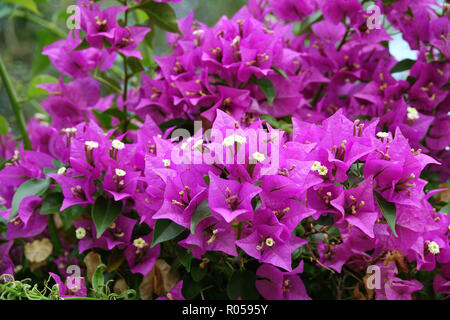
[38, 250]
[92, 261]
[158, 281]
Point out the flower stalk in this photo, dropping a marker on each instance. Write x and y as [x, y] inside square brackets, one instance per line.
[20, 119]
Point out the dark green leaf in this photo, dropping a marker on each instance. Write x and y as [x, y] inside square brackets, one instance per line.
[4, 128]
[280, 72]
[388, 209]
[197, 272]
[203, 211]
[165, 230]
[28, 188]
[190, 289]
[70, 214]
[104, 118]
[267, 87]
[403, 65]
[242, 284]
[104, 213]
[51, 203]
[161, 14]
[135, 65]
[54, 236]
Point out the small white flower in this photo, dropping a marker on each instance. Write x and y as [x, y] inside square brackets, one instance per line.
[413, 114]
[198, 32]
[118, 145]
[139, 243]
[62, 170]
[69, 130]
[91, 144]
[270, 242]
[433, 247]
[166, 163]
[322, 170]
[382, 134]
[197, 144]
[230, 140]
[237, 39]
[80, 233]
[120, 172]
[258, 156]
[316, 165]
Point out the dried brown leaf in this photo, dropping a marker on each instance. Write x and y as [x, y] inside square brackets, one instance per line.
[158, 281]
[92, 261]
[38, 250]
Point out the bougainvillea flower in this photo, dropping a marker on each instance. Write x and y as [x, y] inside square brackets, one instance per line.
[278, 285]
[28, 222]
[140, 256]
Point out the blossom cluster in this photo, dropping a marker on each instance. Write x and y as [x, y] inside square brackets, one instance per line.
[335, 179]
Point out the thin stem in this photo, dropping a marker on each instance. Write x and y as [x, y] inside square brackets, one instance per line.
[38, 20]
[126, 78]
[20, 119]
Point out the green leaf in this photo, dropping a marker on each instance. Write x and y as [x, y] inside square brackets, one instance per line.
[104, 118]
[403, 65]
[135, 65]
[31, 187]
[70, 214]
[54, 236]
[388, 209]
[52, 203]
[186, 260]
[4, 128]
[280, 72]
[267, 87]
[190, 288]
[202, 212]
[33, 91]
[304, 25]
[445, 209]
[197, 272]
[29, 4]
[165, 230]
[161, 14]
[242, 284]
[98, 280]
[104, 213]
[115, 259]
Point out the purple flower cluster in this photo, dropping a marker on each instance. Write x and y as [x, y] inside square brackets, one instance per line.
[336, 176]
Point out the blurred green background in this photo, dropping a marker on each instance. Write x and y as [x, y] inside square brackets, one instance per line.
[24, 33]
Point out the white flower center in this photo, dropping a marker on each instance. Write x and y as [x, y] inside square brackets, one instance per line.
[230, 140]
[197, 144]
[433, 247]
[322, 170]
[166, 163]
[316, 165]
[413, 114]
[139, 243]
[382, 134]
[270, 242]
[80, 233]
[91, 144]
[62, 170]
[258, 156]
[120, 172]
[117, 144]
